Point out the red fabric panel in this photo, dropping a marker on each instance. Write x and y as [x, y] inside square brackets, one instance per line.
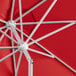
[6, 67]
[43, 66]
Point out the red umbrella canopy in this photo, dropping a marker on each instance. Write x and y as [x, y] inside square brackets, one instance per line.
[51, 45]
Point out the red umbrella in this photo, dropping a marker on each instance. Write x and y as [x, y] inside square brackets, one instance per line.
[41, 38]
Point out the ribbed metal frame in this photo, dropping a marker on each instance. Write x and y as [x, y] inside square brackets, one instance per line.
[20, 41]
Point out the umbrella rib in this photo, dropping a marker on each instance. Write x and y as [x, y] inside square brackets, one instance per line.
[20, 10]
[19, 60]
[8, 47]
[31, 9]
[47, 22]
[18, 65]
[13, 4]
[38, 52]
[3, 35]
[65, 64]
[8, 55]
[14, 61]
[8, 36]
[3, 21]
[52, 33]
[17, 36]
[44, 16]
[2, 27]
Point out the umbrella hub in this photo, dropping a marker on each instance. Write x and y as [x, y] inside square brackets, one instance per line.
[11, 24]
[24, 46]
